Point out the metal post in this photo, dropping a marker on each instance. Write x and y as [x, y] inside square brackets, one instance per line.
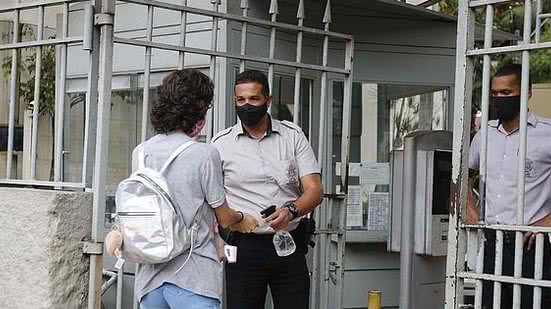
[36, 100]
[486, 71]
[522, 151]
[274, 10]
[212, 71]
[479, 269]
[321, 213]
[245, 12]
[538, 20]
[147, 74]
[461, 141]
[538, 270]
[498, 268]
[345, 150]
[89, 148]
[183, 33]
[105, 21]
[13, 95]
[408, 221]
[298, 71]
[120, 285]
[60, 100]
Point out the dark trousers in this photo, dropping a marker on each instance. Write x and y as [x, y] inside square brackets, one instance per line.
[528, 265]
[259, 267]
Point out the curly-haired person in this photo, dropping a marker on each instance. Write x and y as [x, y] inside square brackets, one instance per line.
[196, 185]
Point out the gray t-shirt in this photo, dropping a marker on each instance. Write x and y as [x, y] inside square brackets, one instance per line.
[195, 181]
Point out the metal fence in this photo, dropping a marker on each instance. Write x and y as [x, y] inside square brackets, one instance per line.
[461, 233]
[99, 39]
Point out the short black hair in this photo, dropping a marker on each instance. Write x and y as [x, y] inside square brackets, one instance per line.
[254, 76]
[182, 100]
[512, 69]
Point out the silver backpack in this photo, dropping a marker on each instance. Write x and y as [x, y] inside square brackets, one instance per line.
[152, 225]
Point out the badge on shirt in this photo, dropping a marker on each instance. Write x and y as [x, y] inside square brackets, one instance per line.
[529, 167]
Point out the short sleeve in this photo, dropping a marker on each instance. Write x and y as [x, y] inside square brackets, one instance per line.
[306, 160]
[212, 181]
[474, 154]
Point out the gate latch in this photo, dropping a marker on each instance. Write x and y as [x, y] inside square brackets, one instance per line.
[92, 248]
[101, 19]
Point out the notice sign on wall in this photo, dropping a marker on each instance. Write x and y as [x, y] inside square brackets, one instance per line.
[377, 215]
[354, 211]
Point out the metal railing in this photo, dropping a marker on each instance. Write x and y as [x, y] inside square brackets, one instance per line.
[459, 232]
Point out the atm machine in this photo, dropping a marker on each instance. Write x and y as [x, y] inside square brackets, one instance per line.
[419, 216]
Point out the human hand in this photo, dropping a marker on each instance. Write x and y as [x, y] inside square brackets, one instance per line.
[279, 219]
[113, 243]
[220, 243]
[247, 225]
[529, 240]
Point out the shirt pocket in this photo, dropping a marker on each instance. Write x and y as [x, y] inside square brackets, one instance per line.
[287, 173]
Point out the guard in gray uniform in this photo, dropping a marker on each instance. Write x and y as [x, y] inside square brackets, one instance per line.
[267, 162]
[501, 186]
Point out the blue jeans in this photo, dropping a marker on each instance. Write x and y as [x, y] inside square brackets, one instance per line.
[170, 296]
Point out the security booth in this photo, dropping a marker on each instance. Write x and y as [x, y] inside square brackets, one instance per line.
[419, 218]
[356, 91]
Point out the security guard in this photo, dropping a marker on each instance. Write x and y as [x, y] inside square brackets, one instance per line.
[267, 162]
[501, 188]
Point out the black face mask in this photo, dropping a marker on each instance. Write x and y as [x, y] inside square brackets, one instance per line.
[251, 115]
[506, 108]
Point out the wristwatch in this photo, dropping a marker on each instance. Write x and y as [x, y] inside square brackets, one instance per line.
[293, 210]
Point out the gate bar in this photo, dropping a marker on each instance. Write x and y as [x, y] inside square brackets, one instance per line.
[183, 34]
[345, 151]
[13, 95]
[212, 117]
[509, 49]
[498, 268]
[90, 113]
[36, 99]
[538, 20]
[102, 146]
[486, 71]
[147, 73]
[35, 4]
[274, 10]
[461, 140]
[479, 269]
[523, 130]
[538, 269]
[192, 50]
[298, 71]
[245, 13]
[60, 100]
[504, 279]
[21, 45]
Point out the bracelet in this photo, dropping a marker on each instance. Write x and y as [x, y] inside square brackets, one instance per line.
[242, 217]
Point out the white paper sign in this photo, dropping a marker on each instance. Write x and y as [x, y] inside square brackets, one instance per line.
[354, 212]
[377, 214]
[374, 173]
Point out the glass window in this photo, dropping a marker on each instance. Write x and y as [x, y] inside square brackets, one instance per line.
[382, 114]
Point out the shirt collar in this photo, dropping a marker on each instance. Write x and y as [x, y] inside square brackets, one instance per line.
[273, 127]
[532, 120]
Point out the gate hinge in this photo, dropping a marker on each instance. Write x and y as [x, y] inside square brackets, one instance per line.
[101, 19]
[92, 248]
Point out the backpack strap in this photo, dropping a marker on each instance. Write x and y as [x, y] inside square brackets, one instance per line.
[175, 154]
[141, 157]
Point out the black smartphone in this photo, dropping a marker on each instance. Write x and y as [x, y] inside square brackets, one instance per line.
[268, 211]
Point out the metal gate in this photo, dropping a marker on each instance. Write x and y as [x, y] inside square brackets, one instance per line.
[461, 233]
[98, 41]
